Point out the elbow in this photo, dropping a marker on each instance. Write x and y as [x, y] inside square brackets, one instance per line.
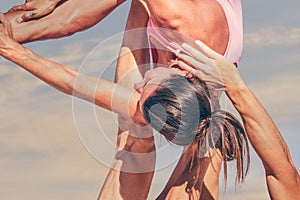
[287, 175]
[173, 22]
[170, 22]
[168, 17]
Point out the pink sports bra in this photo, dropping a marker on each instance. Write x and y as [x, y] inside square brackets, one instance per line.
[234, 16]
[233, 13]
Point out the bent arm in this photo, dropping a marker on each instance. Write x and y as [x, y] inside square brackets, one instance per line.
[281, 175]
[70, 17]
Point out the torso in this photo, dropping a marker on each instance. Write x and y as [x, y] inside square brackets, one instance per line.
[222, 30]
[193, 19]
[213, 31]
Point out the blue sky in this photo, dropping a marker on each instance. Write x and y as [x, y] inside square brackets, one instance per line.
[43, 156]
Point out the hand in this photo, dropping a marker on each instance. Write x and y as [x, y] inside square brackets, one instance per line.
[6, 35]
[35, 9]
[206, 64]
[6, 28]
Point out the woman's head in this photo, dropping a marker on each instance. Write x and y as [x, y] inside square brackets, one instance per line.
[181, 110]
[176, 107]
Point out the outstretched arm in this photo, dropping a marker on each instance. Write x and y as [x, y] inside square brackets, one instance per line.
[281, 175]
[70, 17]
[104, 93]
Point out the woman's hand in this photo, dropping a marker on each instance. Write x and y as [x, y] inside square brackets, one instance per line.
[5, 26]
[35, 9]
[6, 35]
[208, 65]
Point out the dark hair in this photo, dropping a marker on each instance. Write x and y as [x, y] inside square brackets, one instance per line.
[181, 110]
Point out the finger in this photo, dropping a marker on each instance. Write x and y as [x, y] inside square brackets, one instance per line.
[191, 61]
[203, 70]
[197, 54]
[28, 16]
[208, 51]
[189, 69]
[183, 66]
[198, 65]
[202, 75]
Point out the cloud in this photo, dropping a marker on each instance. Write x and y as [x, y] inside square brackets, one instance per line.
[41, 154]
[280, 95]
[273, 36]
[42, 157]
[16, 83]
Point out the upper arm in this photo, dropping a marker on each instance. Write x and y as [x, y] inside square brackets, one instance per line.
[281, 175]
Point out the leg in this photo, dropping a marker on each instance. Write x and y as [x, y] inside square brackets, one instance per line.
[131, 174]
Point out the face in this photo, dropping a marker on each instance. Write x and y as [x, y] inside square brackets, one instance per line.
[151, 81]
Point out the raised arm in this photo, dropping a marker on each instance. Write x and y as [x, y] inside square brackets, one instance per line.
[281, 175]
[101, 92]
[70, 17]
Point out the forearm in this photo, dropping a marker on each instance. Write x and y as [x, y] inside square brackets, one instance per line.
[261, 130]
[54, 74]
[67, 19]
[104, 93]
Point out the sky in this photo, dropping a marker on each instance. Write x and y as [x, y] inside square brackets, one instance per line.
[48, 147]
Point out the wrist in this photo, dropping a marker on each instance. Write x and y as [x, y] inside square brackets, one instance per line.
[14, 52]
[235, 85]
[238, 93]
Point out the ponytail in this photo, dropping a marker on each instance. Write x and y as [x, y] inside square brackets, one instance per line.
[184, 116]
[223, 131]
